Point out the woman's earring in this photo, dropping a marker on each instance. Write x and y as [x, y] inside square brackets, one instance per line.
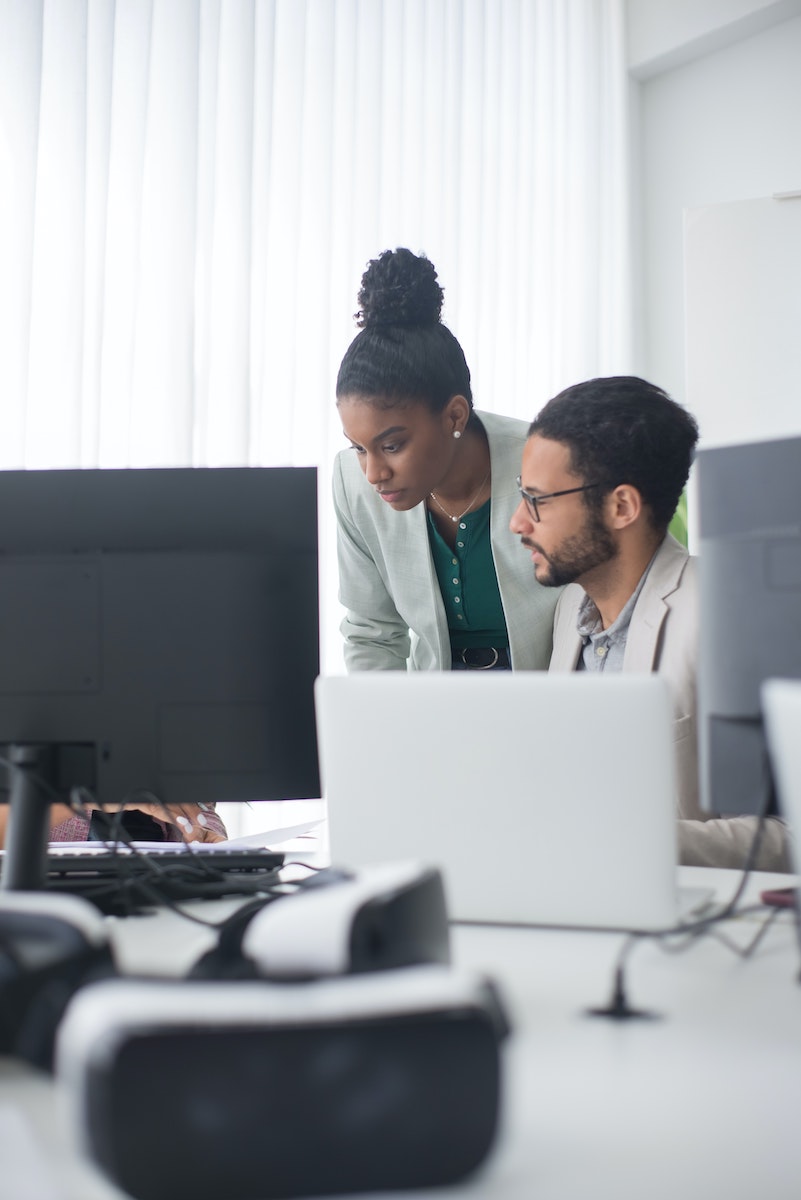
[457, 433]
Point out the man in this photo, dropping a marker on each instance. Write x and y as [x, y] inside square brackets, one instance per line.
[603, 469]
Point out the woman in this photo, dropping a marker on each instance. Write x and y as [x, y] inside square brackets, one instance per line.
[144, 822]
[429, 575]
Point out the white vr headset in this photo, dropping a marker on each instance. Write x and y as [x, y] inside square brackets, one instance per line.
[324, 1046]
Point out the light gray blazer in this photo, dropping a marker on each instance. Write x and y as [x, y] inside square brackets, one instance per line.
[388, 585]
[663, 637]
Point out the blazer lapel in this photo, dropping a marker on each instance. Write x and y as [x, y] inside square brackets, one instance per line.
[652, 607]
[566, 640]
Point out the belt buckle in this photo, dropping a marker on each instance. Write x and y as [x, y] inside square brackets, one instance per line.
[479, 666]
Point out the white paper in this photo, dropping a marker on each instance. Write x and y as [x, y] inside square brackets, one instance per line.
[272, 837]
[267, 839]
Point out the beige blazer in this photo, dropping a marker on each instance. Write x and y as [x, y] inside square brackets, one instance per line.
[663, 637]
[395, 618]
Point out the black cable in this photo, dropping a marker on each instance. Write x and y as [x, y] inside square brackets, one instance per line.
[747, 950]
[119, 835]
[130, 889]
[270, 892]
[618, 1007]
[184, 869]
[144, 795]
[126, 892]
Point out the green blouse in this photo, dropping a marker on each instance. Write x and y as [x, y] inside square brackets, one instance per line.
[468, 582]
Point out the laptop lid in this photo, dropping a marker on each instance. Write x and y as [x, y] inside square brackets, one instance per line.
[781, 710]
[545, 799]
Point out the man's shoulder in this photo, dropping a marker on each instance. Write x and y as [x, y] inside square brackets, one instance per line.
[674, 571]
[669, 601]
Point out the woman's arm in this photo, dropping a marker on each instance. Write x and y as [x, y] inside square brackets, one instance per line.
[189, 823]
[376, 637]
[58, 814]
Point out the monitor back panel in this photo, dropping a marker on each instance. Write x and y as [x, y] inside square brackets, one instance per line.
[781, 706]
[545, 799]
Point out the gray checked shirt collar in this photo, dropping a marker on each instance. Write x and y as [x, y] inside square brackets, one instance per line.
[604, 649]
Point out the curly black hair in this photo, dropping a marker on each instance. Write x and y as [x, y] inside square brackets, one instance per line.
[622, 429]
[403, 353]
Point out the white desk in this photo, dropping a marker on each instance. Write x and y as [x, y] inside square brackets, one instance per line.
[704, 1102]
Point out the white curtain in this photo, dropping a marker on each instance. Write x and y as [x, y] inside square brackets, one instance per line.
[190, 190]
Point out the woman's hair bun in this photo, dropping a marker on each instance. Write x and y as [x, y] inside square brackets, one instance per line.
[399, 288]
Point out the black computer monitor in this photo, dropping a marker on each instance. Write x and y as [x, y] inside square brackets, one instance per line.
[749, 499]
[159, 633]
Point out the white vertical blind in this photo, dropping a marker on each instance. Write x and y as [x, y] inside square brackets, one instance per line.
[190, 190]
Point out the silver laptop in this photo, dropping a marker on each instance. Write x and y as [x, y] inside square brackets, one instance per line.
[781, 709]
[545, 799]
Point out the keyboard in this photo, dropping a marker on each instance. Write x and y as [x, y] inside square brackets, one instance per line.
[120, 881]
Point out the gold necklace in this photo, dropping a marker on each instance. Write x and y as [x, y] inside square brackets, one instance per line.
[450, 516]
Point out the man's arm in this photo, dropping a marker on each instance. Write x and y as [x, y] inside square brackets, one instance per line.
[726, 842]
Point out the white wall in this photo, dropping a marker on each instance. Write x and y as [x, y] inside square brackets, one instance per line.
[663, 34]
[742, 300]
[724, 124]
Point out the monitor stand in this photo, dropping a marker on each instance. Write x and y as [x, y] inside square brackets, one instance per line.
[25, 859]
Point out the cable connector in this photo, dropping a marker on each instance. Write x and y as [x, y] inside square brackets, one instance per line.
[618, 1008]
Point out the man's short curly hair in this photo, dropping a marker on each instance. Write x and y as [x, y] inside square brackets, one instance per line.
[622, 429]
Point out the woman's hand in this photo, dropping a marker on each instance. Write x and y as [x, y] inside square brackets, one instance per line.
[183, 822]
[195, 823]
[191, 822]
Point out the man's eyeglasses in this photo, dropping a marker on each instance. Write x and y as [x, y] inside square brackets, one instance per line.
[533, 502]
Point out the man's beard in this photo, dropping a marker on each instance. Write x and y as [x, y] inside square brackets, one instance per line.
[577, 555]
